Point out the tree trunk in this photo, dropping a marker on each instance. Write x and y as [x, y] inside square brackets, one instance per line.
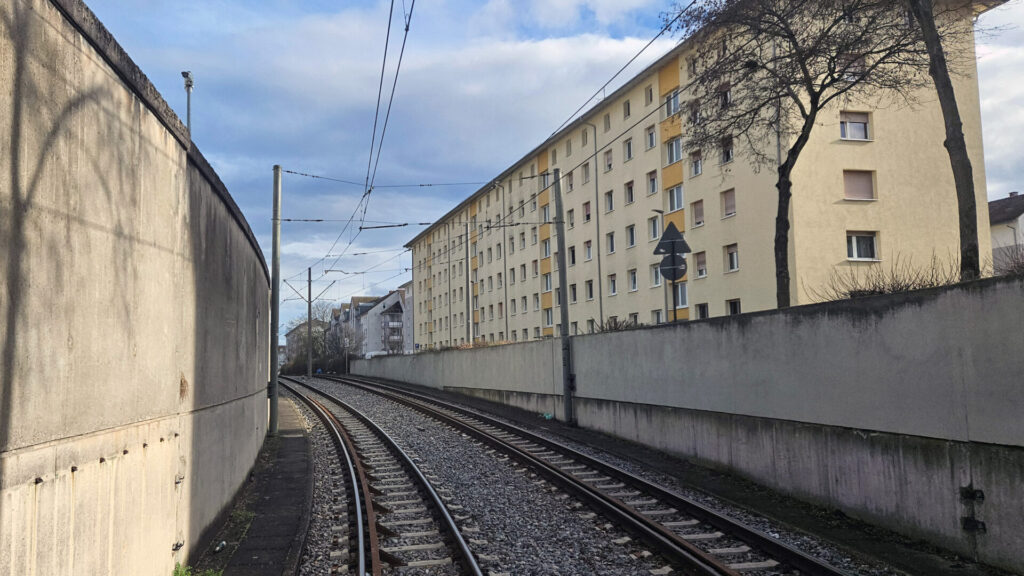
[784, 185]
[963, 173]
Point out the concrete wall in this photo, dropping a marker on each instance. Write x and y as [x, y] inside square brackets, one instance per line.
[133, 312]
[882, 407]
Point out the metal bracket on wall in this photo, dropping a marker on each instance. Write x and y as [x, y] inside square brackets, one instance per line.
[970, 524]
[971, 494]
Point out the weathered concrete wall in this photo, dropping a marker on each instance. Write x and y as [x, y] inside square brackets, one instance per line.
[133, 312]
[882, 407]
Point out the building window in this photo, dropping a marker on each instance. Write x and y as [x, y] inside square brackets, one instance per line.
[536, 301]
[627, 150]
[536, 268]
[522, 240]
[700, 262]
[681, 295]
[554, 156]
[607, 160]
[702, 311]
[573, 328]
[522, 208]
[727, 153]
[732, 258]
[569, 184]
[853, 126]
[861, 246]
[724, 97]
[568, 147]
[652, 182]
[648, 95]
[728, 203]
[628, 192]
[691, 67]
[656, 317]
[858, 185]
[632, 280]
[588, 252]
[630, 236]
[586, 211]
[533, 202]
[653, 228]
[533, 235]
[697, 209]
[586, 172]
[572, 293]
[613, 288]
[571, 217]
[511, 275]
[652, 137]
[733, 306]
[607, 122]
[545, 213]
[625, 109]
[609, 201]
[674, 150]
[499, 279]
[549, 316]
[671, 104]
[490, 283]
[588, 287]
[693, 112]
[547, 282]
[675, 198]
[610, 237]
[696, 165]
[545, 248]
[583, 136]
[591, 325]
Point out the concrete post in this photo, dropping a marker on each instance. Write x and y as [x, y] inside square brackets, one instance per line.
[275, 299]
[309, 322]
[563, 303]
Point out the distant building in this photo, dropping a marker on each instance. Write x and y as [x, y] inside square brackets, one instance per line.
[282, 355]
[1006, 222]
[296, 338]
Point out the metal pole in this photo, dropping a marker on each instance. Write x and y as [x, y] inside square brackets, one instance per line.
[674, 303]
[189, 81]
[469, 290]
[275, 299]
[309, 322]
[597, 226]
[563, 304]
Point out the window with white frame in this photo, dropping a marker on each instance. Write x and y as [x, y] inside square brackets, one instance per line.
[512, 307]
[697, 209]
[549, 316]
[586, 211]
[630, 236]
[545, 213]
[511, 275]
[613, 287]
[588, 252]
[652, 182]
[533, 235]
[570, 217]
[607, 160]
[673, 150]
[681, 295]
[607, 122]
[700, 262]
[628, 193]
[569, 182]
[625, 109]
[632, 280]
[536, 268]
[694, 112]
[533, 204]
[609, 201]
[522, 208]
[653, 228]
[675, 198]
[583, 136]
[652, 137]
[732, 258]
[853, 126]
[728, 203]
[536, 301]
[726, 150]
[656, 317]
[568, 147]
[610, 242]
[696, 164]
[733, 306]
[861, 246]
[588, 289]
[522, 240]
[547, 282]
[586, 172]
[545, 248]
[627, 150]
[572, 256]
[572, 293]
[671, 103]
[655, 275]
[648, 95]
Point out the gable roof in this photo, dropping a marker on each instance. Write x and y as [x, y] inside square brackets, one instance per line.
[1005, 209]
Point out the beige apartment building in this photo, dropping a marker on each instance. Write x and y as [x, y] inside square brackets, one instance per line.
[873, 185]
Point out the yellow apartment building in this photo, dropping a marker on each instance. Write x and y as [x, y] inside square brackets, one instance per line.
[873, 185]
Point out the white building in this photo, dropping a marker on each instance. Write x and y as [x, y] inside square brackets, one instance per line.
[1006, 222]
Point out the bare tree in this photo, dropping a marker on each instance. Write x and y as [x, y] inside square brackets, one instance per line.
[963, 172]
[763, 70]
[322, 313]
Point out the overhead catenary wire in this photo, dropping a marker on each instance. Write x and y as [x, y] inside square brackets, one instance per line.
[379, 186]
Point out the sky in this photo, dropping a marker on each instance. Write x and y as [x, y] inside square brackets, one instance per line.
[295, 83]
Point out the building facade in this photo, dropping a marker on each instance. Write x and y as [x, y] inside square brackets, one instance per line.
[873, 185]
[1006, 221]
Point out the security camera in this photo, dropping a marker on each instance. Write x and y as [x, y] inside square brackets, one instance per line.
[187, 75]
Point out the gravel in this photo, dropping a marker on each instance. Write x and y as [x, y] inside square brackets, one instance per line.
[807, 543]
[515, 522]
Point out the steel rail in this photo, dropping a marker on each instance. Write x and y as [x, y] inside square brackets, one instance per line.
[338, 434]
[793, 557]
[469, 561]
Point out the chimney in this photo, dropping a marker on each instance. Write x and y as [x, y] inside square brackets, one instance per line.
[1014, 194]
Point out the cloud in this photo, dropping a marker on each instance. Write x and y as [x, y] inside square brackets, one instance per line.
[1000, 59]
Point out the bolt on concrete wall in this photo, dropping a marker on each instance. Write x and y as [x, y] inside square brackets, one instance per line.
[133, 312]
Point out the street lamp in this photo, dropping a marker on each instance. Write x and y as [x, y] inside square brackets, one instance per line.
[189, 82]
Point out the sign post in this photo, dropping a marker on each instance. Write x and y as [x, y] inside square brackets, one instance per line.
[673, 266]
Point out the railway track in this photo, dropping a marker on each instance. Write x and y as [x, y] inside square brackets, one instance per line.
[693, 538]
[396, 521]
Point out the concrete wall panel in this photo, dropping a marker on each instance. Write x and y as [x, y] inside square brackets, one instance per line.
[133, 312]
[882, 407]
